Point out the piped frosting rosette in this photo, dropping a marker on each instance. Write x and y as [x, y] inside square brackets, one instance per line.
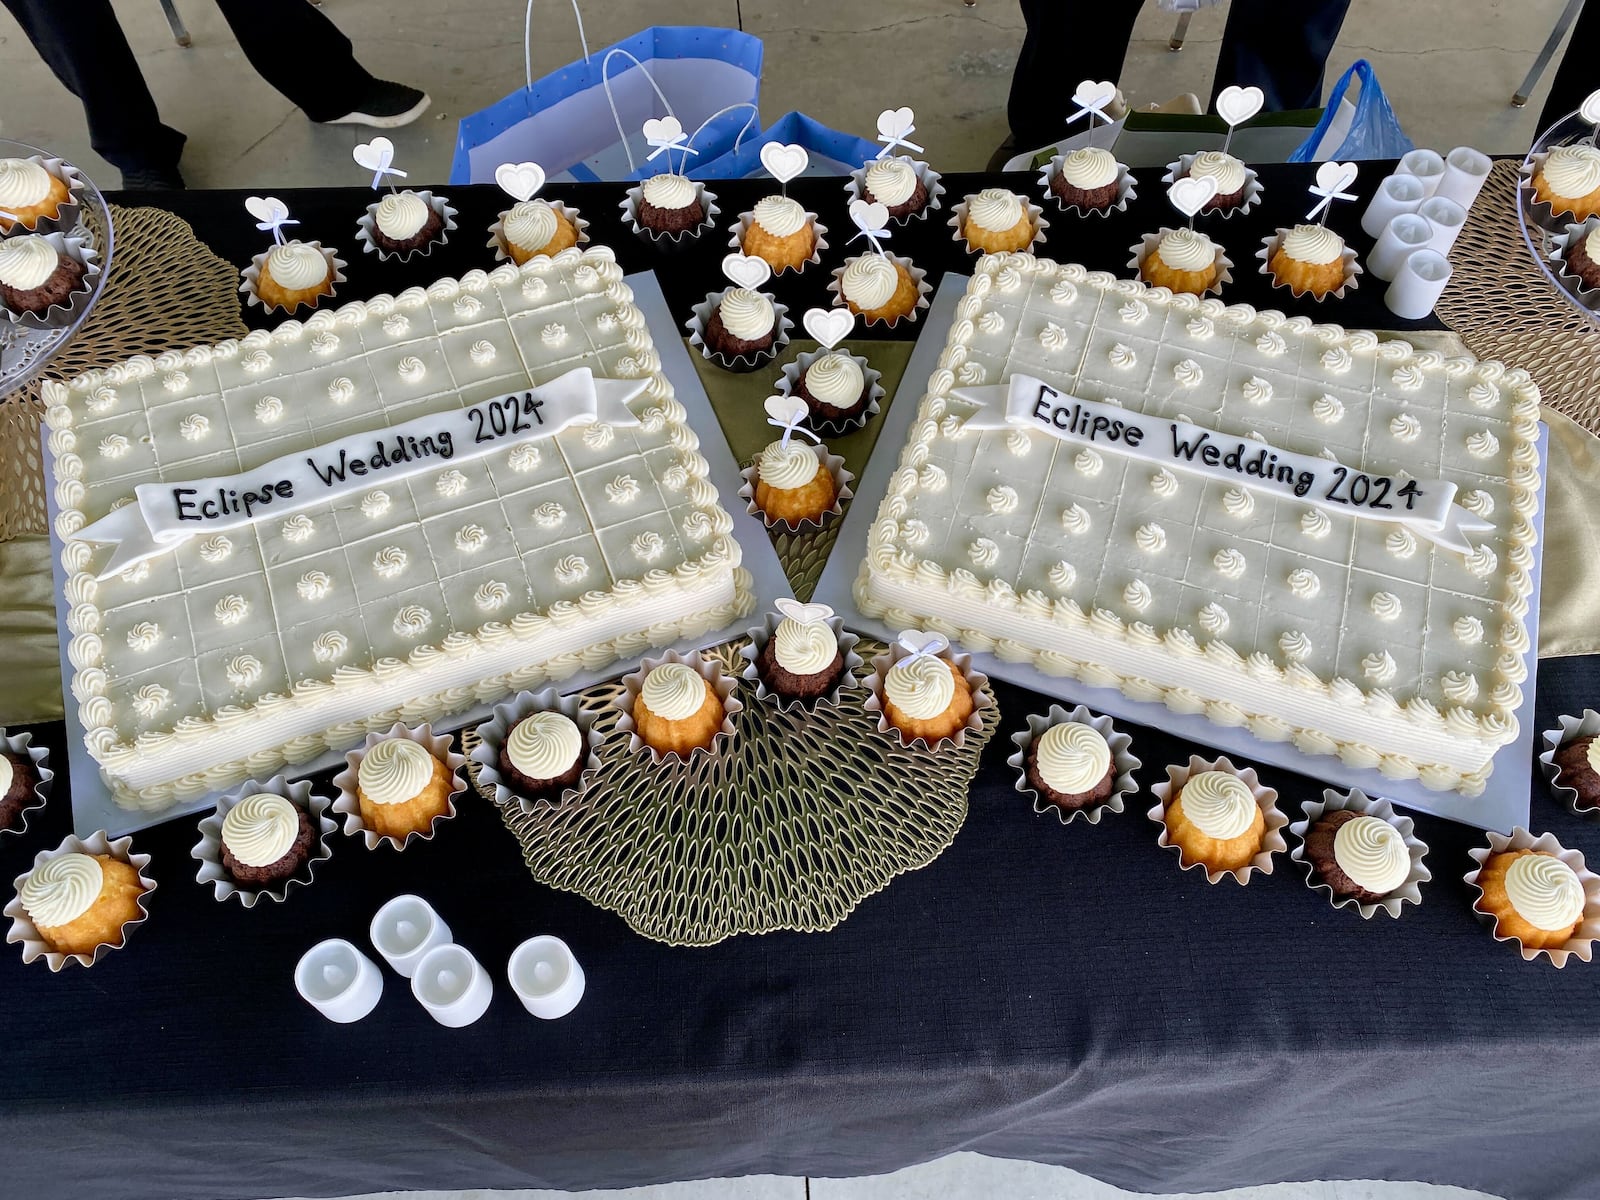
[25, 182]
[925, 696]
[531, 224]
[1148, 244]
[725, 686]
[792, 459]
[1572, 171]
[670, 191]
[1379, 851]
[21, 744]
[28, 261]
[896, 179]
[70, 889]
[264, 831]
[252, 274]
[991, 209]
[1310, 244]
[806, 642]
[1586, 234]
[1231, 176]
[400, 216]
[547, 749]
[1571, 728]
[835, 384]
[1073, 763]
[851, 276]
[755, 307]
[781, 217]
[348, 802]
[1223, 810]
[1089, 168]
[1545, 895]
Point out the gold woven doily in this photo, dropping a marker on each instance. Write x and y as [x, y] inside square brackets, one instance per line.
[167, 291]
[797, 821]
[1504, 308]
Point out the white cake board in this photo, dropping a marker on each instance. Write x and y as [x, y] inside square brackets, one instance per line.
[1504, 801]
[92, 805]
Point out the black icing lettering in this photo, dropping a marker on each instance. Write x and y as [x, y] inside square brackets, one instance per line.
[1134, 435]
[185, 506]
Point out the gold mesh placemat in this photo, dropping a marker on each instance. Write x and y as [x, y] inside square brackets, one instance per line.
[794, 823]
[167, 291]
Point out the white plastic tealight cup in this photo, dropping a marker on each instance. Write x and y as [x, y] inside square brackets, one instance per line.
[1447, 218]
[1395, 195]
[339, 981]
[1465, 172]
[546, 977]
[452, 986]
[1404, 234]
[1419, 284]
[405, 929]
[1426, 166]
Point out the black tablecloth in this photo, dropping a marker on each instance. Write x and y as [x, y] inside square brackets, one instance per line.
[1059, 994]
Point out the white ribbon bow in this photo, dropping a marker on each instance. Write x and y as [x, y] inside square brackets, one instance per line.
[895, 127]
[921, 644]
[788, 413]
[1332, 192]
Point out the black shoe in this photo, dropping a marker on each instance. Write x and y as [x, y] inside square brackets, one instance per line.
[152, 179]
[385, 105]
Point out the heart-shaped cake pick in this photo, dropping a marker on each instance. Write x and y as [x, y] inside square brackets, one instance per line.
[1092, 96]
[895, 127]
[666, 134]
[1236, 105]
[920, 643]
[746, 270]
[830, 326]
[789, 414]
[1332, 179]
[271, 215]
[871, 222]
[803, 614]
[784, 162]
[376, 156]
[1190, 194]
[520, 181]
[1589, 110]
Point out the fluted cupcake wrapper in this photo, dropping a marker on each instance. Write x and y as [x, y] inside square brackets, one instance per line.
[497, 231]
[1358, 801]
[348, 802]
[59, 315]
[1541, 212]
[1581, 944]
[66, 218]
[761, 635]
[492, 740]
[1123, 763]
[251, 275]
[919, 277]
[1036, 218]
[368, 223]
[673, 240]
[23, 929]
[1126, 193]
[1148, 243]
[739, 364]
[855, 187]
[841, 493]
[1560, 243]
[789, 385]
[819, 241]
[1588, 725]
[1252, 187]
[977, 683]
[1272, 244]
[1266, 799]
[208, 851]
[726, 687]
[21, 743]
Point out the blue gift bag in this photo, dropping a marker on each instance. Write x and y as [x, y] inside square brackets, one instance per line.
[832, 152]
[1373, 130]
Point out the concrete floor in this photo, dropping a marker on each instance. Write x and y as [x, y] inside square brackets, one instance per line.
[1448, 65]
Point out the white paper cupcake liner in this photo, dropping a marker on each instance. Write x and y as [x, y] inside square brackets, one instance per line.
[497, 232]
[492, 740]
[1587, 725]
[740, 363]
[1581, 944]
[20, 744]
[841, 488]
[762, 634]
[1147, 244]
[919, 277]
[1267, 798]
[349, 804]
[1271, 245]
[977, 683]
[1358, 801]
[251, 274]
[820, 241]
[367, 223]
[1123, 763]
[1036, 218]
[789, 385]
[855, 187]
[23, 929]
[1252, 188]
[726, 687]
[1560, 243]
[208, 851]
[665, 240]
[1125, 190]
[58, 315]
[66, 218]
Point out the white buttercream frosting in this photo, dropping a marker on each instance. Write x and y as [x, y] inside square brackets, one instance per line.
[401, 215]
[779, 216]
[297, 265]
[804, 649]
[1572, 171]
[1593, 755]
[1313, 244]
[394, 771]
[1220, 805]
[7, 773]
[1372, 853]
[746, 314]
[835, 379]
[1089, 167]
[1227, 170]
[27, 261]
[260, 829]
[1546, 893]
[544, 745]
[995, 209]
[891, 181]
[789, 465]
[669, 191]
[1186, 250]
[869, 281]
[23, 183]
[921, 687]
[530, 225]
[1072, 758]
[673, 691]
[61, 889]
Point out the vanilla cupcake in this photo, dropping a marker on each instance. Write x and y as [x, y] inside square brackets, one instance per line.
[878, 288]
[78, 902]
[401, 788]
[793, 484]
[780, 231]
[33, 195]
[1213, 818]
[534, 227]
[293, 274]
[1569, 181]
[1533, 896]
[926, 696]
[1309, 258]
[1183, 260]
[677, 710]
[996, 221]
[895, 184]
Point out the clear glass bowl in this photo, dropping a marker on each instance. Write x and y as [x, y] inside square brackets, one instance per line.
[1539, 235]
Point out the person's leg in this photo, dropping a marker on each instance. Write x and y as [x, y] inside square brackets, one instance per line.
[1574, 78]
[83, 44]
[1066, 42]
[1280, 46]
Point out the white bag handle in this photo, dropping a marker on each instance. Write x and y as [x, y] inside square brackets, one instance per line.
[527, 39]
[749, 121]
[616, 117]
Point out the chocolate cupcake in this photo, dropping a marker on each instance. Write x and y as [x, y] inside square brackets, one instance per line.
[802, 660]
[1578, 767]
[895, 184]
[1088, 178]
[19, 776]
[404, 221]
[266, 839]
[1582, 253]
[1071, 766]
[1231, 176]
[670, 204]
[1357, 855]
[743, 322]
[834, 387]
[544, 754]
[35, 275]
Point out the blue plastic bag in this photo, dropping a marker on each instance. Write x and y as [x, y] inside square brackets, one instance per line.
[1374, 129]
[832, 152]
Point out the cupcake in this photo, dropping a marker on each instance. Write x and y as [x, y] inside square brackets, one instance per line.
[1533, 896]
[780, 231]
[743, 322]
[1583, 258]
[926, 696]
[677, 711]
[895, 184]
[1230, 174]
[996, 221]
[78, 901]
[1357, 855]
[1070, 765]
[792, 483]
[401, 788]
[403, 222]
[803, 659]
[1309, 258]
[1578, 767]
[1088, 178]
[30, 193]
[1183, 260]
[292, 274]
[20, 775]
[37, 274]
[544, 754]
[1214, 820]
[670, 204]
[1569, 181]
[535, 227]
[834, 387]
[878, 288]
[265, 840]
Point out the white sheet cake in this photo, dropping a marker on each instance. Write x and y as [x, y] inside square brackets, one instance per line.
[418, 592]
[1357, 637]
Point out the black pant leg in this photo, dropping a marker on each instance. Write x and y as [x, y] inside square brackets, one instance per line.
[82, 43]
[1575, 76]
[1066, 42]
[300, 52]
[1280, 46]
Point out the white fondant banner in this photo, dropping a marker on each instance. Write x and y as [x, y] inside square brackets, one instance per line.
[1427, 507]
[169, 513]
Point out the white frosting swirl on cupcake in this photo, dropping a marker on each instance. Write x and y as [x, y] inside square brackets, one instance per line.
[747, 315]
[869, 281]
[1372, 853]
[297, 265]
[1593, 755]
[394, 771]
[835, 379]
[261, 829]
[530, 225]
[1546, 893]
[779, 216]
[1072, 758]
[61, 889]
[788, 465]
[26, 262]
[995, 209]
[23, 183]
[544, 745]
[1186, 250]
[891, 181]
[1227, 170]
[1572, 171]
[1316, 244]
[1089, 168]
[921, 688]
[401, 215]
[803, 649]
[673, 691]
[669, 191]
[8, 772]
[1220, 805]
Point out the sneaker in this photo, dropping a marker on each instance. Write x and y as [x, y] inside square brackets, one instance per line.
[152, 179]
[385, 105]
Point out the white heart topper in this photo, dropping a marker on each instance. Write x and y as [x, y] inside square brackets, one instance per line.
[787, 411]
[663, 131]
[269, 210]
[1190, 194]
[1236, 105]
[1335, 176]
[375, 155]
[869, 218]
[520, 181]
[922, 644]
[896, 123]
[784, 163]
[830, 326]
[746, 270]
[1094, 94]
[803, 614]
[1590, 109]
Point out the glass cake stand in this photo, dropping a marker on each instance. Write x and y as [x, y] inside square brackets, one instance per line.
[1539, 236]
[24, 353]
